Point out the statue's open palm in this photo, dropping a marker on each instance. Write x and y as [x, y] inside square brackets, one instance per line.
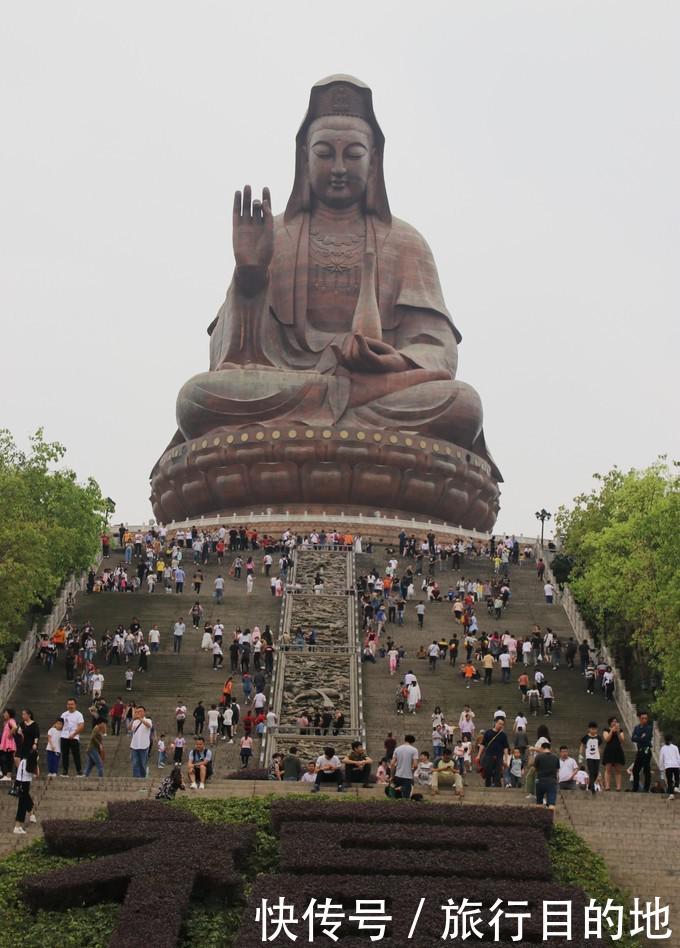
[253, 232]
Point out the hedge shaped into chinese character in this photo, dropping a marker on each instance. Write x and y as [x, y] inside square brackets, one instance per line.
[152, 858]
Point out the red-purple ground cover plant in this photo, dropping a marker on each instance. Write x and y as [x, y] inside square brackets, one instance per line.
[249, 773]
[154, 858]
[477, 852]
[393, 812]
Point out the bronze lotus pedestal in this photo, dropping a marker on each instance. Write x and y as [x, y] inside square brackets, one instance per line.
[329, 470]
[332, 381]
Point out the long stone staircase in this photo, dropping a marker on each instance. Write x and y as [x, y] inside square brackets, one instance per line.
[638, 835]
[572, 709]
[188, 677]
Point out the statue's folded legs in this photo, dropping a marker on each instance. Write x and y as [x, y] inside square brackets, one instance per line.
[439, 409]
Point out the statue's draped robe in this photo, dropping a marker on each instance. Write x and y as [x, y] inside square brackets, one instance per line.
[270, 363]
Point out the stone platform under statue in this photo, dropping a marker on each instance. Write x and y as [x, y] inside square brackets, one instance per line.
[332, 378]
[325, 470]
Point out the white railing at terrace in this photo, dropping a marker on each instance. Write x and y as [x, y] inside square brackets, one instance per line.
[27, 649]
[288, 518]
[627, 710]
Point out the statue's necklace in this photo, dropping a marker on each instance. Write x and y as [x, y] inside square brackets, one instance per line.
[335, 252]
[336, 248]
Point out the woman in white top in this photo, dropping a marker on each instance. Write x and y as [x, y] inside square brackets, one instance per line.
[27, 768]
[414, 696]
[669, 761]
[218, 656]
[213, 724]
[54, 748]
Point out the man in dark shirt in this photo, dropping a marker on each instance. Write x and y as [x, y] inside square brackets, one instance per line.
[547, 767]
[357, 765]
[494, 744]
[571, 652]
[199, 718]
[642, 737]
[292, 768]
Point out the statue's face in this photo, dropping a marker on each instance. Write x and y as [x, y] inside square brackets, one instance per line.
[339, 157]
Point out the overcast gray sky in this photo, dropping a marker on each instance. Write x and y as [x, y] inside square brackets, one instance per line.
[535, 145]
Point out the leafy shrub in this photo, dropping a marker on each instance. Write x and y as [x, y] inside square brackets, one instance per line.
[67, 928]
[472, 851]
[150, 811]
[249, 773]
[256, 810]
[574, 863]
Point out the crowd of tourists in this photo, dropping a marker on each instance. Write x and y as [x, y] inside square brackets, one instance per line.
[504, 756]
[501, 752]
[412, 582]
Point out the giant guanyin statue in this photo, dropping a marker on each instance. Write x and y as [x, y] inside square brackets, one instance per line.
[332, 381]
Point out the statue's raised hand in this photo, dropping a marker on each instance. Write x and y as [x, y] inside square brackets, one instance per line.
[253, 232]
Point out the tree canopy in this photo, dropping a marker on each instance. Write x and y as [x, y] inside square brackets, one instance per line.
[49, 527]
[623, 540]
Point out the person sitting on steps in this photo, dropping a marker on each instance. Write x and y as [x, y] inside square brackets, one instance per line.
[447, 771]
[200, 764]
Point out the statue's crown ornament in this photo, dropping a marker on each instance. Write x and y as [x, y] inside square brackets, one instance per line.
[341, 99]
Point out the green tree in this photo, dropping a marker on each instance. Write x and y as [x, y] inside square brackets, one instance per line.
[49, 527]
[562, 566]
[624, 542]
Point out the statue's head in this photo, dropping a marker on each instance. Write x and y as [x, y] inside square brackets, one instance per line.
[340, 159]
[339, 151]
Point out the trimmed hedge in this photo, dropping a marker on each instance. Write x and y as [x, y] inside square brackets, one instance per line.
[249, 773]
[402, 895]
[477, 852]
[404, 812]
[152, 865]
[153, 811]
[214, 924]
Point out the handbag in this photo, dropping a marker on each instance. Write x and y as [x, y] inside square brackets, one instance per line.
[15, 789]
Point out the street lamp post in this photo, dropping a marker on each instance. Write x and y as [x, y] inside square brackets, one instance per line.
[542, 515]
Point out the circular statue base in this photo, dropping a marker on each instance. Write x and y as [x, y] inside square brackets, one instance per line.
[324, 470]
